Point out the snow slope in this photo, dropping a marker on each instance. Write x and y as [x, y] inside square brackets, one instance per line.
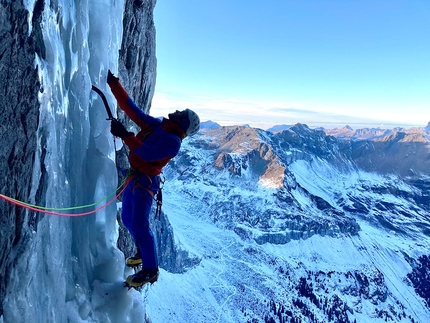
[344, 276]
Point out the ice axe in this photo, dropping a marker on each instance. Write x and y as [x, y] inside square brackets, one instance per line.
[97, 90]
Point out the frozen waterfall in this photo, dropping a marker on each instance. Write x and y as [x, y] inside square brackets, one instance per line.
[73, 271]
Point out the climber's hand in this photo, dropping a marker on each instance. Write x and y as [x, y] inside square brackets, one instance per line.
[111, 78]
[118, 130]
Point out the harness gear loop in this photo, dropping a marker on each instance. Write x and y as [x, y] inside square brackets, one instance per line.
[159, 197]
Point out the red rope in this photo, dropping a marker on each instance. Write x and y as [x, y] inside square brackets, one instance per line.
[67, 214]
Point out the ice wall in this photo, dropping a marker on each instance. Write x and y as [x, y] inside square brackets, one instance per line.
[72, 271]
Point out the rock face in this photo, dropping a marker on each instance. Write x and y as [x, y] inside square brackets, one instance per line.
[137, 60]
[19, 112]
[170, 256]
[137, 72]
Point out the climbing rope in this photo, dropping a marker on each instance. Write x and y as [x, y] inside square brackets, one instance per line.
[54, 211]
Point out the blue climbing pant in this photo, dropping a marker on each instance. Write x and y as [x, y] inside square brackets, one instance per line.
[136, 207]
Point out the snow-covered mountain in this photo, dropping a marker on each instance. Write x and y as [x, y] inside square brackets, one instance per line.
[279, 128]
[209, 124]
[349, 133]
[399, 150]
[288, 229]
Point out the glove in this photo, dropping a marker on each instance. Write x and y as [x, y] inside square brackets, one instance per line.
[111, 78]
[118, 130]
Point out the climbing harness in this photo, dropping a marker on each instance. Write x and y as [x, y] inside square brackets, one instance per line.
[157, 197]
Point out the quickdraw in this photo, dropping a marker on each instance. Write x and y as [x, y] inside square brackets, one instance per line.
[159, 198]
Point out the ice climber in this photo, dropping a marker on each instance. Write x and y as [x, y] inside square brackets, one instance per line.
[157, 142]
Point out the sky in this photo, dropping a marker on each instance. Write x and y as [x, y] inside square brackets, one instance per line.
[323, 63]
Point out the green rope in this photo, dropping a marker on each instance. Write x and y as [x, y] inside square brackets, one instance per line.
[74, 207]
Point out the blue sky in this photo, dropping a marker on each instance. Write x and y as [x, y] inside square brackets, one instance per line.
[323, 63]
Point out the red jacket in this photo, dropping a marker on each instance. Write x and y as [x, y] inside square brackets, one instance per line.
[156, 143]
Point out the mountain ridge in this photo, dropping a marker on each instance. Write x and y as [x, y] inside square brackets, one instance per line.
[333, 233]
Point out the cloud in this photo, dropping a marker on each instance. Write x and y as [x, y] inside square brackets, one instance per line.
[233, 111]
[292, 110]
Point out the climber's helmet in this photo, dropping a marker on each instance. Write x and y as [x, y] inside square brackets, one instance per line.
[188, 120]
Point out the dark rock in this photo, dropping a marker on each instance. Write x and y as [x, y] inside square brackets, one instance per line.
[420, 277]
[137, 60]
[396, 153]
[19, 113]
[137, 73]
[170, 256]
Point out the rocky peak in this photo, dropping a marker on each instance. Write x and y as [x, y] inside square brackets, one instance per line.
[209, 125]
[257, 157]
[406, 154]
[394, 137]
[301, 142]
[241, 150]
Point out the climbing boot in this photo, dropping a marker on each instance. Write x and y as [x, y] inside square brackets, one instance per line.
[133, 261]
[141, 278]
